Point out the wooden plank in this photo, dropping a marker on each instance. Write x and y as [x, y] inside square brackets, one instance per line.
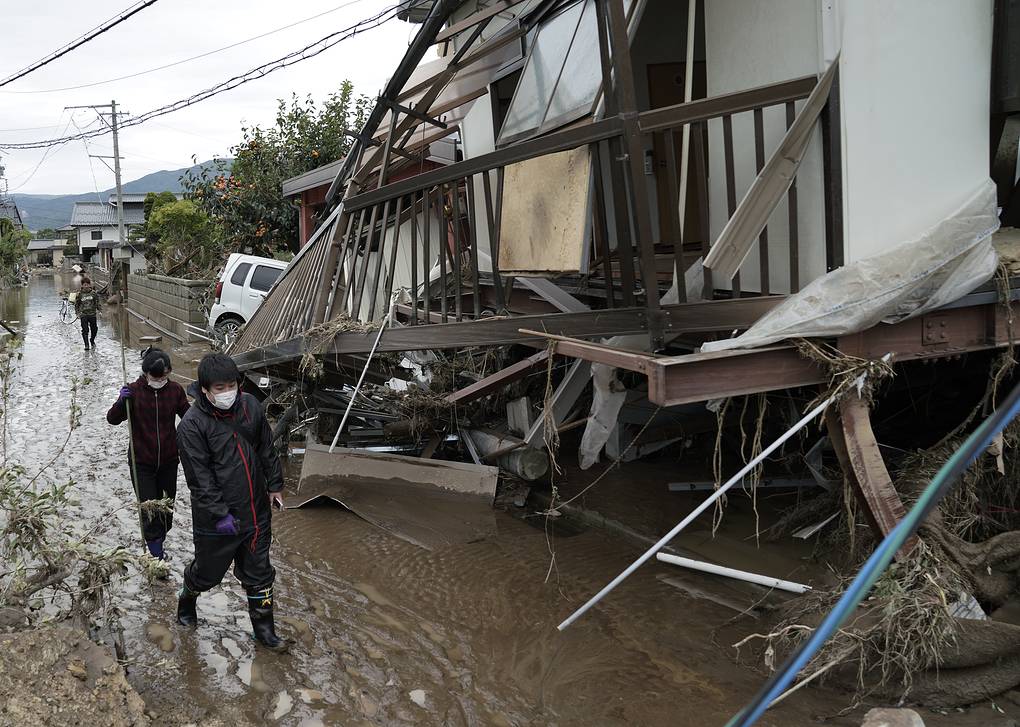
[704, 316]
[498, 380]
[857, 449]
[744, 225]
[563, 400]
[703, 376]
[671, 117]
[791, 203]
[547, 197]
[597, 352]
[472, 20]
[763, 237]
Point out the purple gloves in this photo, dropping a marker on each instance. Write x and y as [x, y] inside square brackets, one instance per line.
[125, 392]
[227, 525]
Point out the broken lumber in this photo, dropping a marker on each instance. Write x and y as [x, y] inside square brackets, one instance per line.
[856, 448]
[498, 380]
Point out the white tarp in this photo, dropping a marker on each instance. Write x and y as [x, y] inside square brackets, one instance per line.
[943, 264]
[609, 393]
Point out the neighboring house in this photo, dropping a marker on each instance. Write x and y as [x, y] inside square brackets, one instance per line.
[46, 252]
[97, 234]
[311, 187]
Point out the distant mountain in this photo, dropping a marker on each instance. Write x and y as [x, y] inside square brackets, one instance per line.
[40, 211]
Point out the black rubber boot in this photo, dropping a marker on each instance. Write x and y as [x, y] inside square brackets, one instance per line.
[260, 608]
[187, 602]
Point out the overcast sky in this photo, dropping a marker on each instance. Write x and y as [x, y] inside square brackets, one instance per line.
[168, 31]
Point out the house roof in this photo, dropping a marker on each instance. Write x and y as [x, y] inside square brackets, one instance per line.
[98, 214]
[135, 198]
[442, 151]
[42, 245]
[315, 178]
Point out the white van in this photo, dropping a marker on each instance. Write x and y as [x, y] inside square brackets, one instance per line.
[242, 286]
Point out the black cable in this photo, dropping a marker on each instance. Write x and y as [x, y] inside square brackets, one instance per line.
[183, 60]
[292, 58]
[90, 35]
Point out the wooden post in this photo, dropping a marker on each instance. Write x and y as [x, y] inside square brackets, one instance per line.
[634, 150]
[857, 450]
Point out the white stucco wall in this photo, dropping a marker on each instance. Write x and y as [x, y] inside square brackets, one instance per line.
[754, 44]
[914, 81]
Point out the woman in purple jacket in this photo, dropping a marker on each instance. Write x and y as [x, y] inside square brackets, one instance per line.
[156, 402]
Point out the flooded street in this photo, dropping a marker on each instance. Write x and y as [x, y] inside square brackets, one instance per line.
[386, 633]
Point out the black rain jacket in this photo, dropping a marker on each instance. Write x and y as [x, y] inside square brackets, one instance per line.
[229, 463]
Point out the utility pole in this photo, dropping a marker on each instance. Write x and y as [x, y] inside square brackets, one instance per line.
[122, 267]
[113, 124]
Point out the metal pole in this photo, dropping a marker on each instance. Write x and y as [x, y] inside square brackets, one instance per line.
[697, 511]
[705, 505]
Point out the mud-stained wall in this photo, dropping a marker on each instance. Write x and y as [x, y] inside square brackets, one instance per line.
[170, 303]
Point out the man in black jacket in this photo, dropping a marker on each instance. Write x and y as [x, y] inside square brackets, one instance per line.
[235, 478]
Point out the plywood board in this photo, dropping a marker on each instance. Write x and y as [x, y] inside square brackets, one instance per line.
[545, 208]
[430, 503]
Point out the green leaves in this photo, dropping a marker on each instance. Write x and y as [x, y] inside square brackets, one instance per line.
[244, 200]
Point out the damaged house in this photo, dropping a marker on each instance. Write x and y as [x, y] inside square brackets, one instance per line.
[677, 202]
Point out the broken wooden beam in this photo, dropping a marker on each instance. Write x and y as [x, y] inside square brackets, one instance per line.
[598, 352]
[498, 380]
[854, 443]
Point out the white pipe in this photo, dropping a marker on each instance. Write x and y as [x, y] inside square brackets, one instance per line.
[707, 503]
[740, 575]
[697, 511]
[357, 388]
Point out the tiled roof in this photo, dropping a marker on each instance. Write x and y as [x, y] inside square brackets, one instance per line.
[96, 214]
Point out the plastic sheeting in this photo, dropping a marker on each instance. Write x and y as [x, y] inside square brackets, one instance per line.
[609, 394]
[943, 264]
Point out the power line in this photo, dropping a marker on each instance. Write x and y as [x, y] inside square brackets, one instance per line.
[192, 58]
[292, 58]
[82, 40]
[45, 155]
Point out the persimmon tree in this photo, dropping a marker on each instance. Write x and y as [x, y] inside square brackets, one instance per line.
[243, 196]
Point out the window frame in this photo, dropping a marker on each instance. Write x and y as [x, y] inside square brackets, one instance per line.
[93, 235]
[547, 125]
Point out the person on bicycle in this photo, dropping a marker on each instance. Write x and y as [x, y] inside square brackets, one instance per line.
[86, 305]
[155, 403]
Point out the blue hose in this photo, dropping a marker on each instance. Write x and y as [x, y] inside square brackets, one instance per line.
[873, 568]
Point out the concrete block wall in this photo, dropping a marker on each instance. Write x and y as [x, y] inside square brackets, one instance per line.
[169, 303]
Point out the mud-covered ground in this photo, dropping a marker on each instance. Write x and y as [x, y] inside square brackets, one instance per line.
[388, 633]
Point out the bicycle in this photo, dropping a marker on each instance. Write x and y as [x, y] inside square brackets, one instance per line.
[67, 313]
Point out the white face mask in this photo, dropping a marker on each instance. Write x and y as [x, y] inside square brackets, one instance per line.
[156, 383]
[225, 400]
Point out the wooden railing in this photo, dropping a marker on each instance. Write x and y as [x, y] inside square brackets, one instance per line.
[451, 218]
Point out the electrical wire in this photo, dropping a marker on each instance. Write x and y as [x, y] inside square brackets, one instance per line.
[45, 156]
[80, 41]
[192, 58]
[292, 58]
[937, 489]
[92, 169]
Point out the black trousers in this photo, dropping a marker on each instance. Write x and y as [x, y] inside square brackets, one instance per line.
[214, 553]
[88, 323]
[156, 483]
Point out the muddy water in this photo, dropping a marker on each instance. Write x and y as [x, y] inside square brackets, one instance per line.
[385, 633]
